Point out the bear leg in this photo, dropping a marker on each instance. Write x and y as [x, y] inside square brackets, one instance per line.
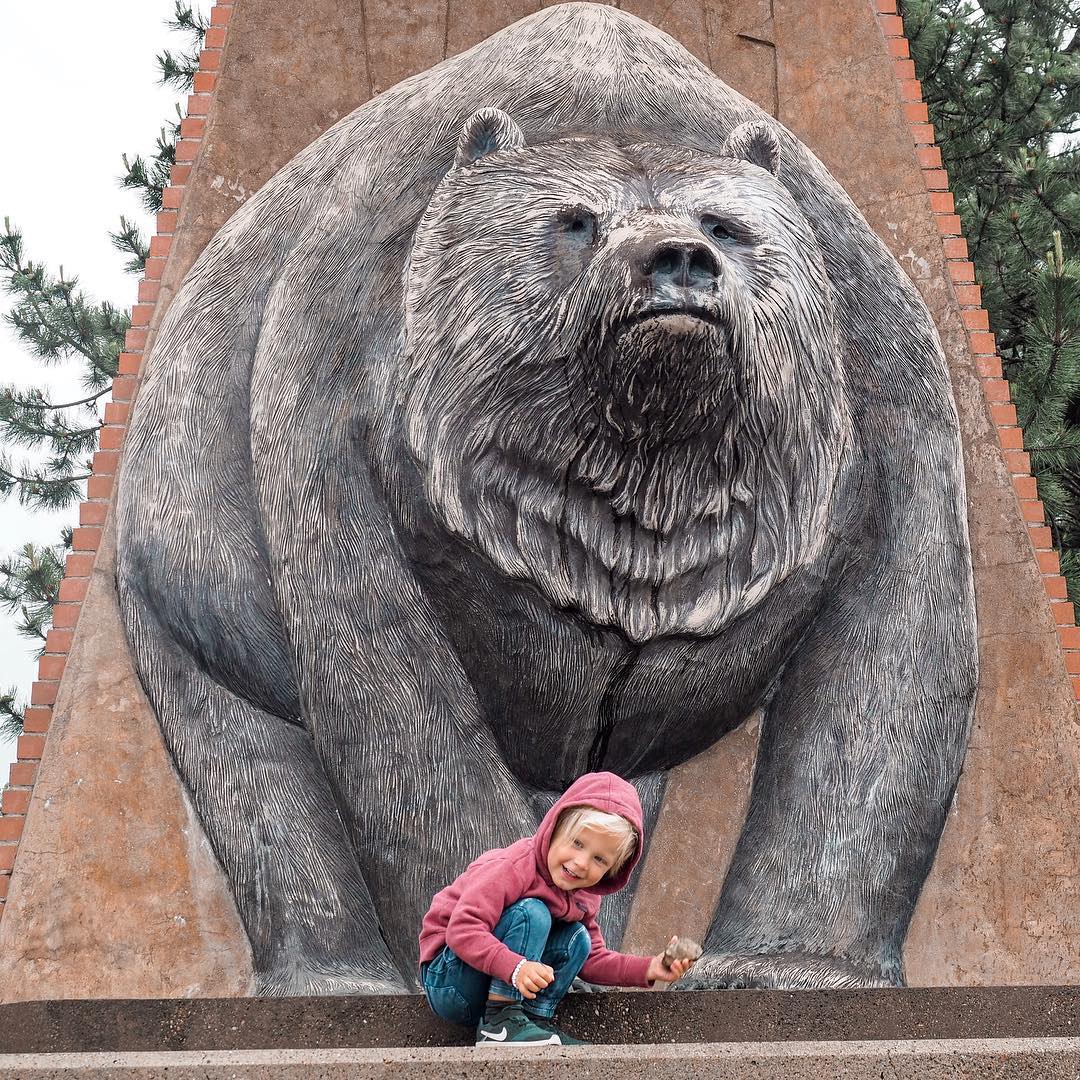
[416, 821]
[268, 810]
[859, 758]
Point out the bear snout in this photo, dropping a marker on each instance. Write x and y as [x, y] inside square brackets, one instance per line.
[666, 265]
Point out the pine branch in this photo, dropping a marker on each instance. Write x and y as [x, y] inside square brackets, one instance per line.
[186, 19]
[151, 180]
[55, 320]
[30, 427]
[176, 69]
[32, 399]
[39, 489]
[30, 585]
[179, 70]
[129, 240]
[11, 714]
[59, 323]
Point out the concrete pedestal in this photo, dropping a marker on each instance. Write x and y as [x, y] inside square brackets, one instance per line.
[1004, 1033]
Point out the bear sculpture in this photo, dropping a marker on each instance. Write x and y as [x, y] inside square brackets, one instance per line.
[547, 416]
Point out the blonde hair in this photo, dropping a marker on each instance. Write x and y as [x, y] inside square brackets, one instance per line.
[575, 818]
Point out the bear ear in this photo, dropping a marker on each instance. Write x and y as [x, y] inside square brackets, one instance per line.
[754, 141]
[484, 133]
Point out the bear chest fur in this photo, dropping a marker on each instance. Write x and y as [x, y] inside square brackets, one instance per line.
[590, 696]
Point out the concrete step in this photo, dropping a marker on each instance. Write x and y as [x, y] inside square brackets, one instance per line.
[996, 1033]
[923, 1059]
[732, 1016]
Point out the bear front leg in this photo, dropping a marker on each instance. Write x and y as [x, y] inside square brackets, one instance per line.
[269, 813]
[859, 757]
[422, 786]
[419, 777]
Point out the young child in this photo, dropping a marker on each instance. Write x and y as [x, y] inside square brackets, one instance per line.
[500, 946]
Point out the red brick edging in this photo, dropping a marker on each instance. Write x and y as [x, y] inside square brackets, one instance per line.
[983, 346]
[86, 537]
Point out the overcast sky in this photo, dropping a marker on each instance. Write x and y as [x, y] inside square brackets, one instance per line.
[78, 88]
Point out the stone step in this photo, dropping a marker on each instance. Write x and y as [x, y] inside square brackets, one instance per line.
[740, 1016]
[912, 1059]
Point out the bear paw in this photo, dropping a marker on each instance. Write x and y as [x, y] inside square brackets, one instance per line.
[298, 982]
[779, 971]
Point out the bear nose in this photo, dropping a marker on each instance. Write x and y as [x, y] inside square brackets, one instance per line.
[686, 264]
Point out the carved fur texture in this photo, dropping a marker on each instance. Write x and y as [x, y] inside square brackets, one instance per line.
[553, 411]
[653, 455]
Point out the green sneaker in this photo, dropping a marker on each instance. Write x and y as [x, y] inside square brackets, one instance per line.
[511, 1025]
[548, 1024]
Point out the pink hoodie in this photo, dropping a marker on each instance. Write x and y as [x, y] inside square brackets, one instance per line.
[464, 913]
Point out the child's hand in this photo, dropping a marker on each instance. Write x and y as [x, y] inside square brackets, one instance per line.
[661, 972]
[658, 973]
[532, 977]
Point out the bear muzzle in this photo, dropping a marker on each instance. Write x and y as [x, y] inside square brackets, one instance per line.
[667, 373]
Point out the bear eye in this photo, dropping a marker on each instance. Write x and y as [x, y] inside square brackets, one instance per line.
[716, 228]
[580, 223]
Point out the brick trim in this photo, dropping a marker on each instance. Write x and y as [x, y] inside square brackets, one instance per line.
[86, 538]
[968, 296]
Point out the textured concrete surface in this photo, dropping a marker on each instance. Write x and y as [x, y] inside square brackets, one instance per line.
[765, 1016]
[116, 887]
[115, 891]
[993, 1059]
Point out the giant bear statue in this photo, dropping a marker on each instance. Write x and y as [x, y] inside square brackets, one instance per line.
[554, 411]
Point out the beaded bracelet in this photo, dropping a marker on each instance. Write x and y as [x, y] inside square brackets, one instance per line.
[513, 978]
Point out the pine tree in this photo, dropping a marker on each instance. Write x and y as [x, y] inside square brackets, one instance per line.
[1047, 389]
[177, 71]
[1002, 82]
[29, 584]
[58, 323]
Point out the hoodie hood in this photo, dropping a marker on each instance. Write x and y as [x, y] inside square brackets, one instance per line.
[603, 791]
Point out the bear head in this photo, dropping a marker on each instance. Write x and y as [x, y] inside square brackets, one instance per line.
[622, 378]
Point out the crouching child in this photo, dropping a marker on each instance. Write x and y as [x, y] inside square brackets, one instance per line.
[502, 944]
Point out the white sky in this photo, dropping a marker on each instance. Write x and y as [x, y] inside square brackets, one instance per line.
[78, 88]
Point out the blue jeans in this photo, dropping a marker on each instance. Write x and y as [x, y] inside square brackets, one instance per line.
[458, 992]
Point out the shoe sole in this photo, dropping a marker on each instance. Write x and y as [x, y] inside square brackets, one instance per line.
[553, 1041]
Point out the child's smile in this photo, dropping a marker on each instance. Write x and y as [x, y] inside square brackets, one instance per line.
[578, 862]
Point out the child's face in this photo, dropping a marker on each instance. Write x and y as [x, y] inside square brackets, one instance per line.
[576, 862]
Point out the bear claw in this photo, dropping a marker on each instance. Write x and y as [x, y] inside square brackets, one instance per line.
[294, 983]
[779, 971]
